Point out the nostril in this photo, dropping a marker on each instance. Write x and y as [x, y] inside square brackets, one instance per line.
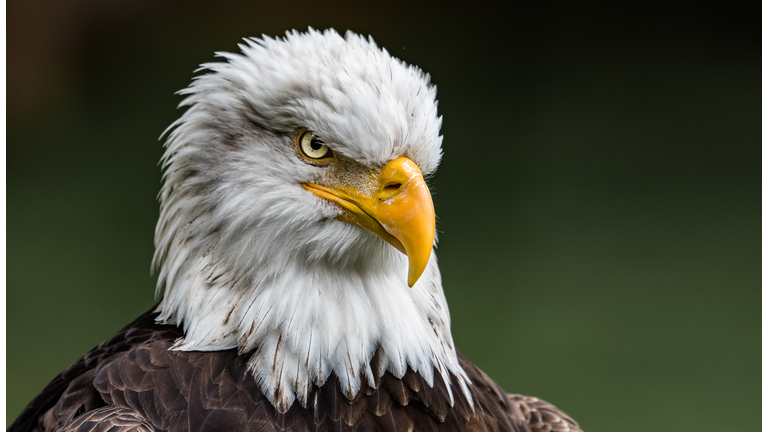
[392, 187]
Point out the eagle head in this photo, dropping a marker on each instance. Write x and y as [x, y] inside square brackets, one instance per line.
[295, 222]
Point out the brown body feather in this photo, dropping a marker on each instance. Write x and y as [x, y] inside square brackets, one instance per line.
[133, 382]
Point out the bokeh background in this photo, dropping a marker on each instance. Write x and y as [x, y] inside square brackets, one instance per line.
[598, 203]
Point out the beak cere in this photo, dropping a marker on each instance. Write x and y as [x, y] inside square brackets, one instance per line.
[400, 211]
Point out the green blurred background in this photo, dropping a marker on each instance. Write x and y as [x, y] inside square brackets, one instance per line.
[598, 203]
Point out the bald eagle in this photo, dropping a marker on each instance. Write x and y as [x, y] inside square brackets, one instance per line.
[298, 281]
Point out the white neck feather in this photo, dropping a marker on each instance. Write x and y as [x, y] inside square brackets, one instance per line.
[301, 323]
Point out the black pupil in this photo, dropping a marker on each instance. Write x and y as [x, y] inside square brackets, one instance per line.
[316, 144]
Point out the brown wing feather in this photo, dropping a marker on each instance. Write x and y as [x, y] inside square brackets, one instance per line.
[542, 416]
[214, 391]
[110, 418]
[72, 393]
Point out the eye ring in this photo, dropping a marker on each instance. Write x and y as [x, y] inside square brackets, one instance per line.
[312, 148]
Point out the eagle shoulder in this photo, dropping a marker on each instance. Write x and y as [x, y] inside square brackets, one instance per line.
[542, 416]
[72, 392]
[536, 414]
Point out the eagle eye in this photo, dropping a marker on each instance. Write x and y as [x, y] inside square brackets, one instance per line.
[312, 148]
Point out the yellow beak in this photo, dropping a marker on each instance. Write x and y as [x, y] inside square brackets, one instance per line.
[400, 211]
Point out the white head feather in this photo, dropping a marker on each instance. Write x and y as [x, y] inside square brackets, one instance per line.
[250, 260]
